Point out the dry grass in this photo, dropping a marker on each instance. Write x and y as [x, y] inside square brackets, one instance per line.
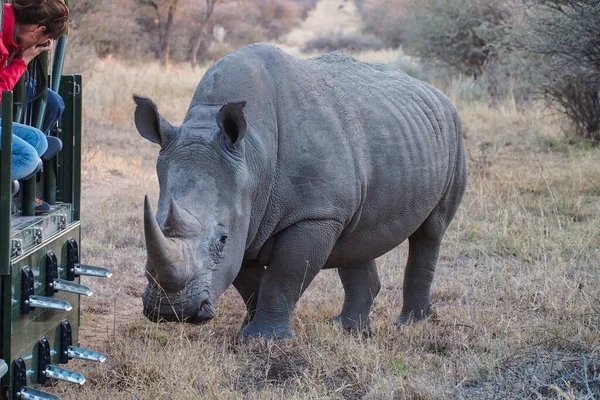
[516, 294]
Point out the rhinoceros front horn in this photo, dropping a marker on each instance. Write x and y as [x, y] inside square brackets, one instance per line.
[166, 260]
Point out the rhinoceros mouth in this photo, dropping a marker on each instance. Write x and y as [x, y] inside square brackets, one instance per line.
[176, 308]
[205, 313]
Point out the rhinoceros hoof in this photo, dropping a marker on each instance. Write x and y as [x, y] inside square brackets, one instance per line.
[352, 326]
[251, 331]
[409, 318]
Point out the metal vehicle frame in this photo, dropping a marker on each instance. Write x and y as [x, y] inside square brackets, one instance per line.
[40, 264]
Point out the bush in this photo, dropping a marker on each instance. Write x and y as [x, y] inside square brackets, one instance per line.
[132, 33]
[382, 18]
[343, 41]
[564, 36]
[460, 35]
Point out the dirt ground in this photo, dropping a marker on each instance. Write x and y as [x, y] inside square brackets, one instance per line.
[516, 291]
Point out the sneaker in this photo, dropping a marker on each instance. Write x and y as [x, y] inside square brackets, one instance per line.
[15, 187]
[54, 146]
[41, 206]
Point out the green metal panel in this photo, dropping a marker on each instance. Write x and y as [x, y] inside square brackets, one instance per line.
[5, 182]
[22, 331]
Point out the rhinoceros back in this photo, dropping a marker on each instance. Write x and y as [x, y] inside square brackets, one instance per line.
[363, 144]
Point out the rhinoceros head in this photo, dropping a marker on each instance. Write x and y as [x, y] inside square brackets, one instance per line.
[195, 244]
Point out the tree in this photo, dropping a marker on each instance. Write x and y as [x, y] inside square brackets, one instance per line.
[208, 12]
[565, 35]
[163, 25]
[382, 18]
[456, 34]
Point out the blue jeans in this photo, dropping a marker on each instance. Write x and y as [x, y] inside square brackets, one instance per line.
[55, 106]
[28, 144]
[54, 110]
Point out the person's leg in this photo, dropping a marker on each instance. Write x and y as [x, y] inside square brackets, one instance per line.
[24, 159]
[54, 109]
[31, 135]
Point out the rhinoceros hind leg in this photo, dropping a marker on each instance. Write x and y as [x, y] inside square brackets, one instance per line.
[423, 251]
[361, 285]
[247, 284]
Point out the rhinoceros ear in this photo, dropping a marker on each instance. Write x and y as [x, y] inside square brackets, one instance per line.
[232, 122]
[150, 124]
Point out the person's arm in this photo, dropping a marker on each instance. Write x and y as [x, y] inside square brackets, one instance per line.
[10, 75]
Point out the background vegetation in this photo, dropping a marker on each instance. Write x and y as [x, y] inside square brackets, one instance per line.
[517, 286]
[528, 49]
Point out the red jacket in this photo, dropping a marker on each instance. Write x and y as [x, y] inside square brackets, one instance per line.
[10, 70]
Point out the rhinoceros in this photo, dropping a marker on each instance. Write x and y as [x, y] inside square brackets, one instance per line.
[285, 166]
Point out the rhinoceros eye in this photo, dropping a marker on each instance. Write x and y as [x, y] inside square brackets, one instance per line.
[223, 239]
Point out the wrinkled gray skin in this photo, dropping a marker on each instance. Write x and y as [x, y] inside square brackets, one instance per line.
[283, 167]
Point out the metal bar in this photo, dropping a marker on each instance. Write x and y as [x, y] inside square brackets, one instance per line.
[58, 62]
[85, 354]
[65, 157]
[5, 218]
[29, 393]
[50, 167]
[62, 374]
[49, 302]
[19, 96]
[89, 270]
[5, 182]
[39, 106]
[77, 135]
[71, 287]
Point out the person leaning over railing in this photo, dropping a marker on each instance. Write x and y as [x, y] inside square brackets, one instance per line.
[28, 28]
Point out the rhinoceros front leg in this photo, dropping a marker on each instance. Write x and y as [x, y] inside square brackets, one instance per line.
[247, 284]
[361, 285]
[299, 253]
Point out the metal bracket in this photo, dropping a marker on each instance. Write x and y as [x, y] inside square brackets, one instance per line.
[19, 373]
[68, 351]
[16, 247]
[61, 221]
[51, 273]
[74, 269]
[66, 340]
[29, 301]
[44, 359]
[72, 258]
[37, 235]
[53, 284]
[27, 289]
[49, 371]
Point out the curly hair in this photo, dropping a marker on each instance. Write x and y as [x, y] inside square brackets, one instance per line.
[53, 14]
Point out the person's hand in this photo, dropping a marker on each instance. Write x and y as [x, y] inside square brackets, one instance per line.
[32, 52]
